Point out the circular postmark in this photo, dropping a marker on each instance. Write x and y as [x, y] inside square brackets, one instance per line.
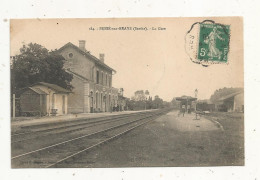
[207, 43]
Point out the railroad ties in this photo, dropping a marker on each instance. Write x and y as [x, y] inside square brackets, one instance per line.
[58, 144]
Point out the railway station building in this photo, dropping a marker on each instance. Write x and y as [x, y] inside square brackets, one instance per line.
[186, 102]
[92, 80]
[233, 102]
[43, 99]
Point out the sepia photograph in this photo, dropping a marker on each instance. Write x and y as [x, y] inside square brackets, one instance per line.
[127, 92]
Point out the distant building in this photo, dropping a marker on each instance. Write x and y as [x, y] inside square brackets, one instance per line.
[44, 99]
[233, 102]
[205, 105]
[156, 97]
[122, 101]
[92, 80]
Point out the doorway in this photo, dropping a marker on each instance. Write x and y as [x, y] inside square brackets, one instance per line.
[63, 104]
[105, 103]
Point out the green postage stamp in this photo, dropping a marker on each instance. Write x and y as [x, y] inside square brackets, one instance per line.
[208, 43]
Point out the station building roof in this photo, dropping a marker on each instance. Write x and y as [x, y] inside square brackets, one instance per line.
[87, 53]
[37, 90]
[230, 95]
[185, 98]
[53, 87]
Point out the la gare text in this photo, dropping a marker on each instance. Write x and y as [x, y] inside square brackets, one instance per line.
[108, 28]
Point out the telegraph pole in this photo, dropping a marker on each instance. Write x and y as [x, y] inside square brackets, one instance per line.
[13, 86]
[196, 93]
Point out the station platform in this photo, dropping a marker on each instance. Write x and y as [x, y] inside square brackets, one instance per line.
[18, 122]
[171, 140]
[188, 122]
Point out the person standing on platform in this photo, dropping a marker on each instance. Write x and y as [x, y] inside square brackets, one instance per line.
[183, 110]
[111, 108]
[188, 109]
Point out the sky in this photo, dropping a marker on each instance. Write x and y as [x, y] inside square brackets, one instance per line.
[153, 60]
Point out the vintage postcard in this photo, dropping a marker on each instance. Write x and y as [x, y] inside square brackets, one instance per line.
[127, 92]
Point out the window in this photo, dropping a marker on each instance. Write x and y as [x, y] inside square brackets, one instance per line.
[110, 78]
[91, 99]
[97, 77]
[101, 100]
[102, 82]
[106, 80]
[92, 73]
[70, 55]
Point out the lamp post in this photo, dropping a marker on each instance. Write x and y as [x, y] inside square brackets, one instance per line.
[196, 93]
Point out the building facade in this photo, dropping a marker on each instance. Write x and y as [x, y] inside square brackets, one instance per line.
[122, 101]
[233, 102]
[186, 102]
[92, 80]
[44, 99]
[205, 105]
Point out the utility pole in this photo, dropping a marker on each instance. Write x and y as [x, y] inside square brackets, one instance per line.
[13, 87]
[196, 93]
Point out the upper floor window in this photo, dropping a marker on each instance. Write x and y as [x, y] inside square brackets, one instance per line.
[92, 73]
[70, 55]
[97, 80]
[102, 82]
[106, 80]
[110, 79]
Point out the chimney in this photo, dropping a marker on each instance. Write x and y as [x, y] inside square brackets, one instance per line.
[82, 45]
[101, 57]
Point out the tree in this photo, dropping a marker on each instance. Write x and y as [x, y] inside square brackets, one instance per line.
[157, 102]
[35, 64]
[175, 103]
[139, 96]
[121, 91]
[147, 93]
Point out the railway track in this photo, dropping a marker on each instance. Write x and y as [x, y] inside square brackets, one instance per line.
[38, 141]
[58, 154]
[67, 127]
[27, 129]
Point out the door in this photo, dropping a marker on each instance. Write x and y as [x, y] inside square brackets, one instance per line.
[63, 104]
[43, 105]
[105, 103]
